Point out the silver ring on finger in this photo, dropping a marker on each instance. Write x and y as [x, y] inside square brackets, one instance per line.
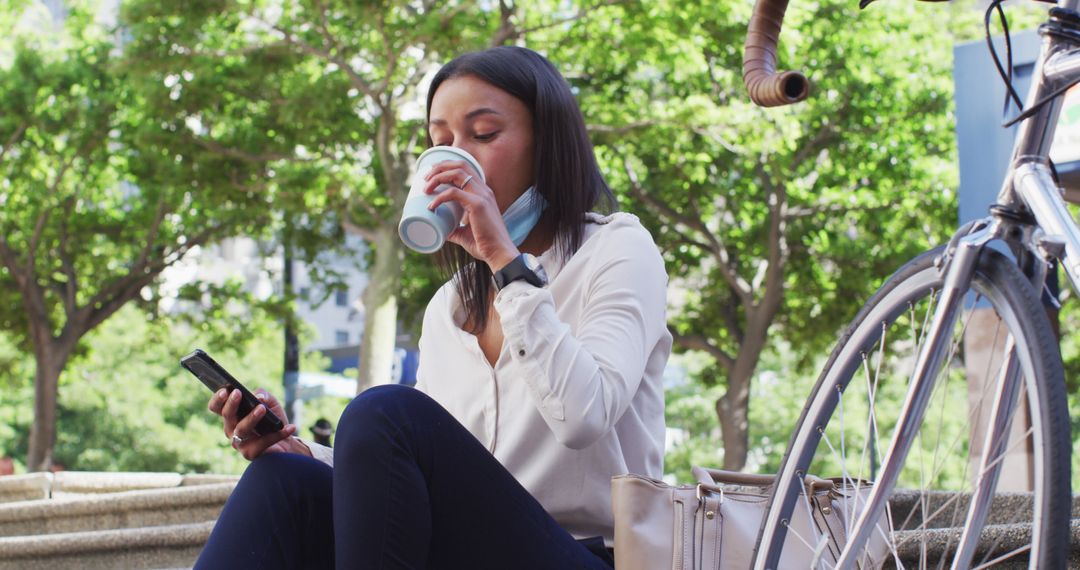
[466, 182]
[237, 440]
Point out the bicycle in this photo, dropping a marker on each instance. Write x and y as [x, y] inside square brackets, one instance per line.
[956, 510]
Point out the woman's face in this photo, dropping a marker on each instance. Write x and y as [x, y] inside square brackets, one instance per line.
[490, 124]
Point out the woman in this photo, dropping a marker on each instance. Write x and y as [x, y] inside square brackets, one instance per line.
[540, 369]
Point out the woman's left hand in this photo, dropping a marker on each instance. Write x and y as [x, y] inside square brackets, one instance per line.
[242, 430]
[485, 237]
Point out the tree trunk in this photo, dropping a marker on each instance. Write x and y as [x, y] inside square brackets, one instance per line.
[733, 408]
[49, 364]
[380, 311]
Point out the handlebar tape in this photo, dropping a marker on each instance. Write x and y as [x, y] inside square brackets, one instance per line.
[766, 86]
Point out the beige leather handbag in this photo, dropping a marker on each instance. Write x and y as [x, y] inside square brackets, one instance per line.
[714, 525]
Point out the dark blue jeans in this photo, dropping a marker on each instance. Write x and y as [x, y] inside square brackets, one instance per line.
[410, 488]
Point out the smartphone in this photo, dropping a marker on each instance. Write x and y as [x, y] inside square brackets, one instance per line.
[215, 377]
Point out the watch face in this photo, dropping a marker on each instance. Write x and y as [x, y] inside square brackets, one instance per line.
[531, 262]
[534, 265]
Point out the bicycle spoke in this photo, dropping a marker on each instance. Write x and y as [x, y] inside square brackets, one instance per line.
[957, 497]
[812, 543]
[1013, 444]
[944, 493]
[1003, 557]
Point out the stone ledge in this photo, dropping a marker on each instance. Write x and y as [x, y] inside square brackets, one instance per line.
[908, 505]
[28, 487]
[94, 482]
[207, 479]
[171, 546]
[36, 486]
[130, 509]
[936, 542]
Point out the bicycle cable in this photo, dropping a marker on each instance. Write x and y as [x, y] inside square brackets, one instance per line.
[1007, 76]
[1035, 108]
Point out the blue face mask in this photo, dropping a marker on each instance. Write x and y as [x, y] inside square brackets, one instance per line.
[521, 217]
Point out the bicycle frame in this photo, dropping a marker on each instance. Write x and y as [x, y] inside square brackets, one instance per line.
[1028, 187]
[1028, 183]
[1028, 191]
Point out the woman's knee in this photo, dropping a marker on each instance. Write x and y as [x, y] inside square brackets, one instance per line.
[378, 412]
[287, 472]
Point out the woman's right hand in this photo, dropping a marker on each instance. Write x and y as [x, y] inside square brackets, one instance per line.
[249, 443]
[485, 236]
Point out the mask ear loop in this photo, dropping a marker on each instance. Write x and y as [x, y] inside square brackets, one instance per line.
[522, 216]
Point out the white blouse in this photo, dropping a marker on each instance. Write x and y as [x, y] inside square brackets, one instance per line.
[576, 395]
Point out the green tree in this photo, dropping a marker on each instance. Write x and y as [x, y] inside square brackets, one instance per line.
[771, 221]
[358, 71]
[126, 405]
[102, 191]
[76, 244]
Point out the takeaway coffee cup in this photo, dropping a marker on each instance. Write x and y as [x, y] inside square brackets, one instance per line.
[424, 230]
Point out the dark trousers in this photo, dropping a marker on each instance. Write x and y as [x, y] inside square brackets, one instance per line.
[410, 488]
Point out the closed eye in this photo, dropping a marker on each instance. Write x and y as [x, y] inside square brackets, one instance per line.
[485, 136]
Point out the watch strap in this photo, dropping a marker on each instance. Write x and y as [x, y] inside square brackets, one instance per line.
[515, 270]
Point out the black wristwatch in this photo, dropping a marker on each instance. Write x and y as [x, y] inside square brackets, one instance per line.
[524, 266]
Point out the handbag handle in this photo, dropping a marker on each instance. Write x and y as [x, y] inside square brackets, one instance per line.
[710, 477]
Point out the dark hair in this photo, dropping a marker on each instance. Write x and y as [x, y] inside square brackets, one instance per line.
[566, 175]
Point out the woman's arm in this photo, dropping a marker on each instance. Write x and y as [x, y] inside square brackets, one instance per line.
[316, 450]
[584, 382]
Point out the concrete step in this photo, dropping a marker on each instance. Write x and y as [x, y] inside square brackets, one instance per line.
[25, 487]
[33, 486]
[936, 543]
[171, 546]
[108, 511]
[83, 483]
[948, 509]
[97, 520]
[91, 520]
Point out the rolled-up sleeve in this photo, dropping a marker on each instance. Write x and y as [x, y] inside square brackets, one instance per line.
[583, 380]
[319, 452]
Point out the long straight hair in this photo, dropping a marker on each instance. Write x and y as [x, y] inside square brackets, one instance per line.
[566, 174]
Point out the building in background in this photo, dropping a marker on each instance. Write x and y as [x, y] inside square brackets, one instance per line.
[335, 317]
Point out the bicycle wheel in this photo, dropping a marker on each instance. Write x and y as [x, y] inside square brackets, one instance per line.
[849, 420]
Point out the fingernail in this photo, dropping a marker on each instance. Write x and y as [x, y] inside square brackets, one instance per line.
[260, 410]
[221, 393]
[260, 395]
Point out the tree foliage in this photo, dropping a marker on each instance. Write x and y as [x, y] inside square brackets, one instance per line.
[773, 222]
[300, 121]
[126, 405]
[339, 85]
[105, 185]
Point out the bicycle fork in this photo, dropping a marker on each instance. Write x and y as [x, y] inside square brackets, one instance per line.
[959, 271]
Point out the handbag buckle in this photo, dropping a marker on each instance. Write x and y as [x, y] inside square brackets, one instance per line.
[703, 489]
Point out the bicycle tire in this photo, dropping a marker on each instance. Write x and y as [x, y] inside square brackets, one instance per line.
[1020, 311]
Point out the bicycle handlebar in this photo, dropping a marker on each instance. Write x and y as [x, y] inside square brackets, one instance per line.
[766, 86]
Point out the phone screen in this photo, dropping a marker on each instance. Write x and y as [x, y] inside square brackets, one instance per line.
[215, 377]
